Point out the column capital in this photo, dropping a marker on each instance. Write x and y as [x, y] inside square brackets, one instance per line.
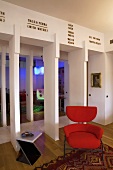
[56, 43]
[14, 43]
[85, 50]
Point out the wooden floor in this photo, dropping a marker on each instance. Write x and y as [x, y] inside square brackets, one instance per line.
[51, 151]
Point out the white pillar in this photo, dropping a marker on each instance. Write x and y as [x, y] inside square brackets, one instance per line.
[29, 87]
[77, 77]
[85, 54]
[14, 50]
[66, 84]
[3, 87]
[51, 113]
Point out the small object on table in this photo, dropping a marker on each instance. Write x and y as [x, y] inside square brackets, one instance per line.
[25, 134]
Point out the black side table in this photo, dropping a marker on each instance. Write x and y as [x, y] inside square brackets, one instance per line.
[29, 151]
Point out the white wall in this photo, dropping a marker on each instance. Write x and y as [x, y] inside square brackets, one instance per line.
[76, 77]
[16, 28]
[101, 97]
[108, 36]
[108, 88]
[63, 55]
[25, 50]
[19, 16]
[96, 64]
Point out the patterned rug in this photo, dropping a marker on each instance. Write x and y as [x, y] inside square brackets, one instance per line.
[82, 160]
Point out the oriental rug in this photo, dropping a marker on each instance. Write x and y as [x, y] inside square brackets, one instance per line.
[82, 160]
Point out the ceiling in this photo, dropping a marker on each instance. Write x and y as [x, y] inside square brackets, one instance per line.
[94, 14]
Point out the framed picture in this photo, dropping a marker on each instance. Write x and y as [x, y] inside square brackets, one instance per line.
[96, 80]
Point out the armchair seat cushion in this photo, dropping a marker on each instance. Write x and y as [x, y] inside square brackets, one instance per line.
[83, 140]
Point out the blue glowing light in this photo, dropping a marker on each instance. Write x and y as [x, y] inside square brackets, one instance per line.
[39, 70]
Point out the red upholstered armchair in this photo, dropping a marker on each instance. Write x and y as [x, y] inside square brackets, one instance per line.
[79, 135]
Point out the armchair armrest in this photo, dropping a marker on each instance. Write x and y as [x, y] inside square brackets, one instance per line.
[98, 131]
[68, 129]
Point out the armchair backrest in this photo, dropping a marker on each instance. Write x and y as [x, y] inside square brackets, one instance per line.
[81, 113]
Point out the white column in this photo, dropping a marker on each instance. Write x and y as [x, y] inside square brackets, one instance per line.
[51, 113]
[29, 87]
[77, 77]
[66, 84]
[85, 54]
[14, 50]
[3, 87]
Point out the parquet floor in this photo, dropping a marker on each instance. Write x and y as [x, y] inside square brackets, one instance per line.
[52, 150]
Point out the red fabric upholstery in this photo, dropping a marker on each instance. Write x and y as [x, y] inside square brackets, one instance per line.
[81, 113]
[83, 140]
[82, 135]
[96, 130]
